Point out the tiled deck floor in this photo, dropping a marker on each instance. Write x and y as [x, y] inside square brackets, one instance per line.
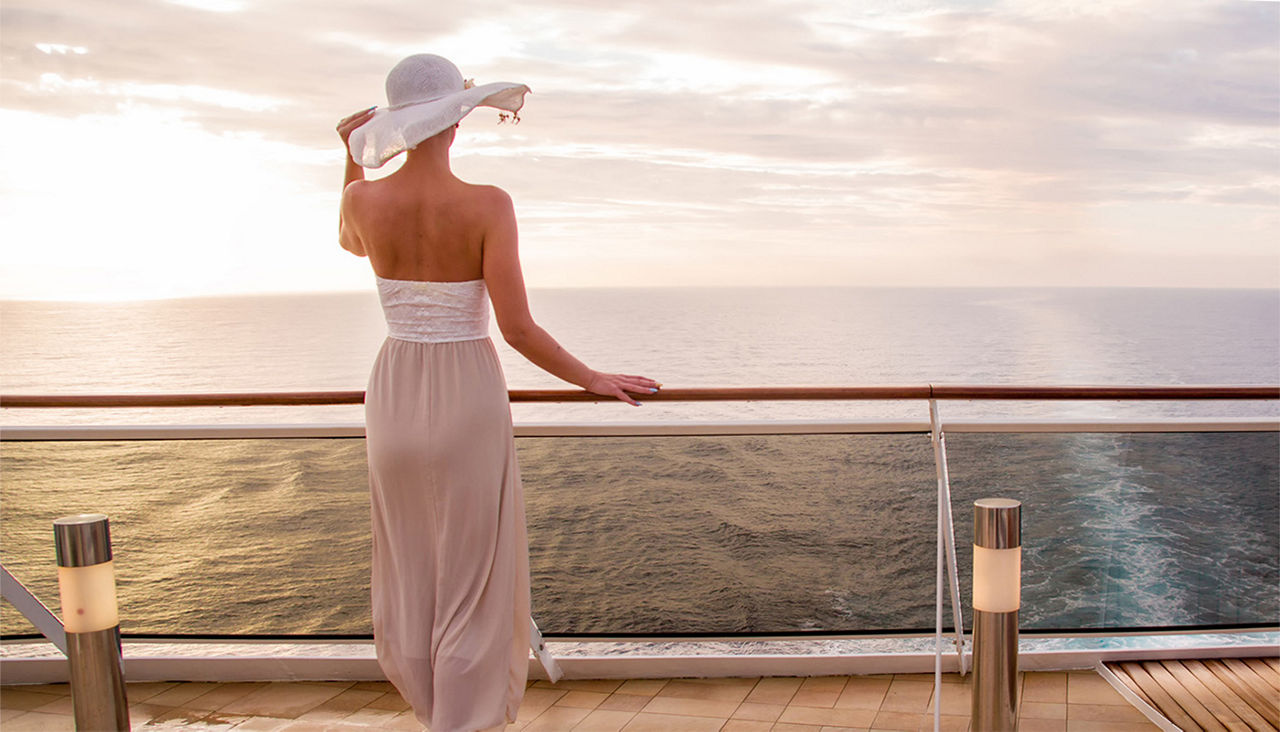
[1050, 701]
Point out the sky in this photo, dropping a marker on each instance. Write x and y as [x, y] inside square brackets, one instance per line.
[173, 148]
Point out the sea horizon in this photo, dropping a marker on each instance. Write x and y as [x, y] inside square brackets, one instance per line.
[615, 287]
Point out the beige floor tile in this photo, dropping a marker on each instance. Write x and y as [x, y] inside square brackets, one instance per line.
[758, 712]
[1042, 710]
[641, 687]
[1045, 686]
[775, 690]
[40, 722]
[557, 719]
[949, 723]
[262, 724]
[605, 686]
[536, 701]
[54, 689]
[391, 701]
[14, 697]
[144, 690]
[221, 696]
[863, 693]
[7, 714]
[604, 720]
[946, 678]
[1104, 713]
[1042, 725]
[179, 695]
[819, 691]
[901, 720]
[690, 707]
[369, 717]
[582, 699]
[745, 681]
[843, 729]
[824, 683]
[644, 722]
[185, 719]
[57, 705]
[1090, 688]
[957, 699]
[405, 721]
[142, 712]
[907, 696]
[288, 700]
[699, 690]
[746, 725]
[831, 717]
[341, 706]
[624, 703]
[1086, 725]
[300, 725]
[789, 727]
[382, 686]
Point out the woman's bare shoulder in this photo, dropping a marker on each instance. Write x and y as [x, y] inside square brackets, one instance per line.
[491, 198]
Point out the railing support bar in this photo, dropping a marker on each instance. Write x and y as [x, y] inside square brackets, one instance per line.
[946, 527]
[937, 625]
[32, 609]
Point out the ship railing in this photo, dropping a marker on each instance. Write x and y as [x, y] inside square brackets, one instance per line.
[947, 571]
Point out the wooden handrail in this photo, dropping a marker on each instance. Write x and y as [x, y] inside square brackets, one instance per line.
[782, 393]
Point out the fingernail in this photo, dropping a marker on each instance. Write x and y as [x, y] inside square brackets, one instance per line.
[653, 391]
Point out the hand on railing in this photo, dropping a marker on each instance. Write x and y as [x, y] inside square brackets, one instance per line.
[622, 386]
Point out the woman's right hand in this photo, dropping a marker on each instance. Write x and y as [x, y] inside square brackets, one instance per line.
[348, 124]
[622, 386]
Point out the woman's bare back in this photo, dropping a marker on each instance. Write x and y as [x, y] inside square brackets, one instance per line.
[435, 233]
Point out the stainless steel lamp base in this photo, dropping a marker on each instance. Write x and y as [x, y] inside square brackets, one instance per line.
[995, 671]
[97, 680]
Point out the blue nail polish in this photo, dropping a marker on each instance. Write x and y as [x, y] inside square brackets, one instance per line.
[653, 391]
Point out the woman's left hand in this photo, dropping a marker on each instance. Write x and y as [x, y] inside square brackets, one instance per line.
[622, 386]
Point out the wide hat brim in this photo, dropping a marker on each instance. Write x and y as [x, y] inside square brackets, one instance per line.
[392, 131]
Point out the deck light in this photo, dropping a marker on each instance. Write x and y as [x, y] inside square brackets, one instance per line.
[87, 587]
[997, 590]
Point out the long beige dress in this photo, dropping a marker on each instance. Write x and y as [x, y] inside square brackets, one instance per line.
[450, 553]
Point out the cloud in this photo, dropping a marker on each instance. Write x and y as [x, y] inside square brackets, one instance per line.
[724, 121]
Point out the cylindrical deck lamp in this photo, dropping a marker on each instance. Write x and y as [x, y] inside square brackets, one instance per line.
[997, 595]
[87, 588]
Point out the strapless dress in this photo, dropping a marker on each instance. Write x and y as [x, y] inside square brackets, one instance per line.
[450, 578]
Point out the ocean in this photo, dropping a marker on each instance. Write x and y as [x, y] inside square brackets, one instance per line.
[674, 535]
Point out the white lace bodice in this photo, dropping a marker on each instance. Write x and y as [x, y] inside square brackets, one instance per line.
[435, 312]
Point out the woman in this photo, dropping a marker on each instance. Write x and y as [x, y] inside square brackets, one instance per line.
[450, 558]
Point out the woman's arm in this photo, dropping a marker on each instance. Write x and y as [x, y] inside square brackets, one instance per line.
[347, 236]
[505, 281]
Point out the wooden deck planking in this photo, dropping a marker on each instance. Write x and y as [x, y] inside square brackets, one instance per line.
[1249, 687]
[1241, 707]
[1164, 702]
[1204, 718]
[1133, 685]
[1220, 710]
[1215, 694]
[1264, 671]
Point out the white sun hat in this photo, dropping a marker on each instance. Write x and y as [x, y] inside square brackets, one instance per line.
[426, 95]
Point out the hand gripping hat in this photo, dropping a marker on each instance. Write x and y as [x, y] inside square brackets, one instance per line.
[426, 95]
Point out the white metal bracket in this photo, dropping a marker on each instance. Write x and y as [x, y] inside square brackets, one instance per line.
[32, 609]
[544, 656]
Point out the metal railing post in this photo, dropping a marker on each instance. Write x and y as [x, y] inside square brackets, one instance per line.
[997, 589]
[87, 587]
